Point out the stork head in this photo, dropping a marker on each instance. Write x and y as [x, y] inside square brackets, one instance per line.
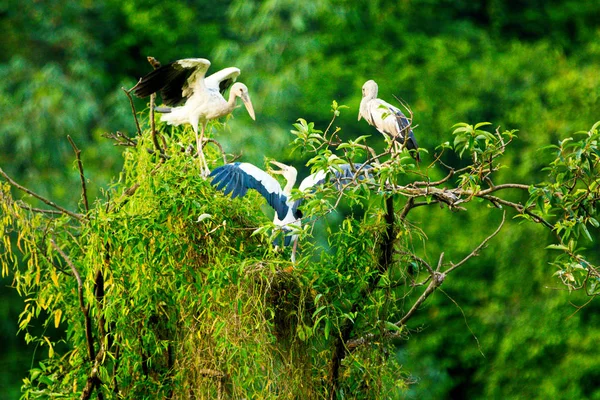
[240, 90]
[288, 172]
[370, 89]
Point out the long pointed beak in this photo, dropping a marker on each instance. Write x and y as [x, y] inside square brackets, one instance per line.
[278, 164]
[246, 99]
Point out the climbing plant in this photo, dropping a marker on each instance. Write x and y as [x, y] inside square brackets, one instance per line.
[166, 288]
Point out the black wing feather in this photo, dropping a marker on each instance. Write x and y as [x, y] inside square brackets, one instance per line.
[409, 142]
[225, 84]
[230, 178]
[169, 79]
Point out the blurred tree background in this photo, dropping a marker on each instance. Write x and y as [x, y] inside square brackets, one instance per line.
[504, 327]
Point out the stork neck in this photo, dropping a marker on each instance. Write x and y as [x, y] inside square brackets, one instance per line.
[231, 101]
[291, 181]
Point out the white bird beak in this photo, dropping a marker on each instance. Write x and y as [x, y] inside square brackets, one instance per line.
[359, 116]
[280, 165]
[246, 99]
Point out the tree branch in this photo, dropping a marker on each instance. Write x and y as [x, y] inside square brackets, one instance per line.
[438, 279]
[26, 206]
[137, 123]
[37, 196]
[81, 175]
[84, 309]
[475, 252]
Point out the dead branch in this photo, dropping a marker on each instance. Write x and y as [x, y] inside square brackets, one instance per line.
[81, 175]
[137, 123]
[438, 279]
[475, 251]
[121, 139]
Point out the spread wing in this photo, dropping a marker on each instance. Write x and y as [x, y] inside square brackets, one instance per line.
[223, 79]
[176, 81]
[237, 178]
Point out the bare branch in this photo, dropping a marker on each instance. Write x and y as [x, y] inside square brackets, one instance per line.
[137, 123]
[438, 279]
[26, 206]
[81, 175]
[436, 183]
[121, 138]
[493, 188]
[475, 251]
[153, 124]
[37, 196]
[409, 205]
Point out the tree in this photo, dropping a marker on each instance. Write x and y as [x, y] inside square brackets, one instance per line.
[166, 288]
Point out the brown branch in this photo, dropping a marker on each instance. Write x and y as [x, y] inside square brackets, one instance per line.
[153, 124]
[121, 138]
[520, 208]
[436, 183]
[93, 381]
[475, 252]
[213, 141]
[85, 310]
[81, 175]
[438, 279]
[37, 196]
[137, 124]
[26, 206]
[493, 188]
[409, 205]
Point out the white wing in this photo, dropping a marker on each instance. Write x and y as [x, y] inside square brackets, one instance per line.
[223, 79]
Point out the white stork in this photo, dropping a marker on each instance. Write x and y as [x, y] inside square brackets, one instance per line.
[387, 119]
[237, 178]
[195, 99]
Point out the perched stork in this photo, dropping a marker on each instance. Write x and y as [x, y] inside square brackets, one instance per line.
[237, 178]
[387, 119]
[195, 99]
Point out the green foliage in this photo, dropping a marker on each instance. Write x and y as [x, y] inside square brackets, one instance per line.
[63, 63]
[165, 288]
[570, 198]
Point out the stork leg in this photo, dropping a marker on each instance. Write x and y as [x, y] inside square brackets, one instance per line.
[204, 171]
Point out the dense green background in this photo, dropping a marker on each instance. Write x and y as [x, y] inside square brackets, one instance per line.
[503, 327]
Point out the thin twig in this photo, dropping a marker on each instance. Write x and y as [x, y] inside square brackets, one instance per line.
[493, 188]
[153, 124]
[26, 206]
[121, 138]
[137, 124]
[438, 279]
[37, 196]
[436, 183]
[81, 175]
[481, 245]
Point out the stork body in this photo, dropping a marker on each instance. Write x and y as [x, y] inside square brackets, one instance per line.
[237, 178]
[193, 98]
[387, 119]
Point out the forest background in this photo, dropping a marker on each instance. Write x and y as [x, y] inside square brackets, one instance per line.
[505, 327]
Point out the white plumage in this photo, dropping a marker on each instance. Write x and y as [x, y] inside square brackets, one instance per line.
[387, 119]
[195, 99]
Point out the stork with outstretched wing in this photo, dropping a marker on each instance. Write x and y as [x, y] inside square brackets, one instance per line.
[191, 97]
[237, 178]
